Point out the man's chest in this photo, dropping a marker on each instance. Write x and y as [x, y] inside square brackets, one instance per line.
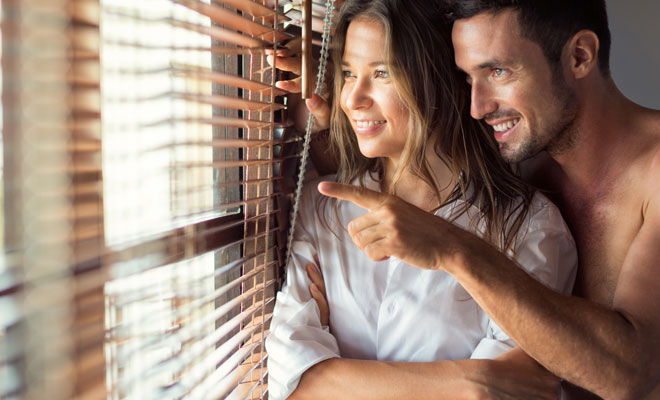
[603, 228]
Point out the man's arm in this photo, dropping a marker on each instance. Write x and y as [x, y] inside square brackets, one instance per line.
[613, 352]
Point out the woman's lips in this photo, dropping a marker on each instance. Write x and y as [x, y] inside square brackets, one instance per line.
[365, 127]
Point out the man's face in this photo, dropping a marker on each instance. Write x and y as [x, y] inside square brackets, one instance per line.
[514, 89]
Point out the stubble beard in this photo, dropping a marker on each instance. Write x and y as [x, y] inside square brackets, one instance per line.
[560, 136]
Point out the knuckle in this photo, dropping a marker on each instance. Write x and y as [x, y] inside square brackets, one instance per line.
[388, 208]
[358, 238]
[373, 252]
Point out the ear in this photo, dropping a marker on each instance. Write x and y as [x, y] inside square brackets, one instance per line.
[582, 51]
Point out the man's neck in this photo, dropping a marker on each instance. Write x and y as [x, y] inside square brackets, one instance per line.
[603, 144]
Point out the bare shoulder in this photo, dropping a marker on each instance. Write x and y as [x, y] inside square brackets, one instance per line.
[639, 275]
[653, 172]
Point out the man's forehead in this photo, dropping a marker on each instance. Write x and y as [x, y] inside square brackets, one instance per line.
[489, 24]
[487, 38]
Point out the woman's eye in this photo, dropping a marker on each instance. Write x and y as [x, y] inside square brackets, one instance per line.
[382, 74]
[348, 74]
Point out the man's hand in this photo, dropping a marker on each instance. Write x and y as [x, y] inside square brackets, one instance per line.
[289, 60]
[317, 290]
[395, 228]
[515, 375]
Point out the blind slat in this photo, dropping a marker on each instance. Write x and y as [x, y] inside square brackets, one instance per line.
[230, 143]
[230, 102]
[233, 362]
[232, 20]
[253, 8]
[225, 79]
[240, 383]
[224, 388]
[224, 35]
[229, 122]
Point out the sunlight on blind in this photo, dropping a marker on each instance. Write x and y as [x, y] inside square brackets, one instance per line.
[191, 196]
[34, 361]
[141, 310]
[148, 175]
[150, 179]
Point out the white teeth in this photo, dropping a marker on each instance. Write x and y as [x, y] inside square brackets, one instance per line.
[366, 124]
[506, 125]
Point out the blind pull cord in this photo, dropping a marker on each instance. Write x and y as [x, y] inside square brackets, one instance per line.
[320, 88]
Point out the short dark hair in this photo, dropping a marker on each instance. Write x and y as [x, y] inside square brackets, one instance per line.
[549, 23]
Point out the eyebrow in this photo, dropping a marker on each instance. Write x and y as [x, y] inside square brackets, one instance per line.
[488, 64]
[371, 64]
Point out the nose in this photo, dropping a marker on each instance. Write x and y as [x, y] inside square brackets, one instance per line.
[359, 94]
[481, 102]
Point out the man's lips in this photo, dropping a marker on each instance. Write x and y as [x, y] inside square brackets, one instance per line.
[503, 128]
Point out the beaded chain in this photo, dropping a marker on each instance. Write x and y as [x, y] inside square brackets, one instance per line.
[320, 88]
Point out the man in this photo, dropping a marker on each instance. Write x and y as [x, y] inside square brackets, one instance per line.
[544, 67]
[540, 77]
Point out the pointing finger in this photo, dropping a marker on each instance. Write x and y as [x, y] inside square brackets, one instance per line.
[360, 196]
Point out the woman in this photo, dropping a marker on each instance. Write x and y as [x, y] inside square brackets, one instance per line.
[400, 124]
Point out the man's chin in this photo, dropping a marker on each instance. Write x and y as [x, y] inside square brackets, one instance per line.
[513, 155]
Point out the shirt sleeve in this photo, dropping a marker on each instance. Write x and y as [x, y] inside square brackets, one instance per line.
[546, 250]
[297, 341]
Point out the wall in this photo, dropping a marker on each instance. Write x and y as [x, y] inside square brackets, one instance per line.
[635, 58]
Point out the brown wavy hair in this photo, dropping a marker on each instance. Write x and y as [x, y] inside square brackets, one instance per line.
[420, 62]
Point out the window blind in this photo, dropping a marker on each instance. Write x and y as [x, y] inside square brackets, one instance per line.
[51, 296]
[148, 171]
[186, 84]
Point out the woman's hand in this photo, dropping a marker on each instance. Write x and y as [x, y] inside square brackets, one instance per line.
[289, 60]
[317, 290]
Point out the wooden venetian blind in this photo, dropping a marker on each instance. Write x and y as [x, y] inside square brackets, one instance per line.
[193, 136]
[51, 280]
[147, 175]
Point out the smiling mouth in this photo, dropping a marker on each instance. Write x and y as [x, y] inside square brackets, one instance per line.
[366, 127]
[505, 126]
[363, 124]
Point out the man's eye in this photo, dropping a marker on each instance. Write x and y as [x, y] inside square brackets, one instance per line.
[498, 72]
[382, 74]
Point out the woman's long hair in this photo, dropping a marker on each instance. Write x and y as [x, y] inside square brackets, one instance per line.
[420, 60]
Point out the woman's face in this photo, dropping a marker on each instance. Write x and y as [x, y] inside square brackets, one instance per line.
[378, 115]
